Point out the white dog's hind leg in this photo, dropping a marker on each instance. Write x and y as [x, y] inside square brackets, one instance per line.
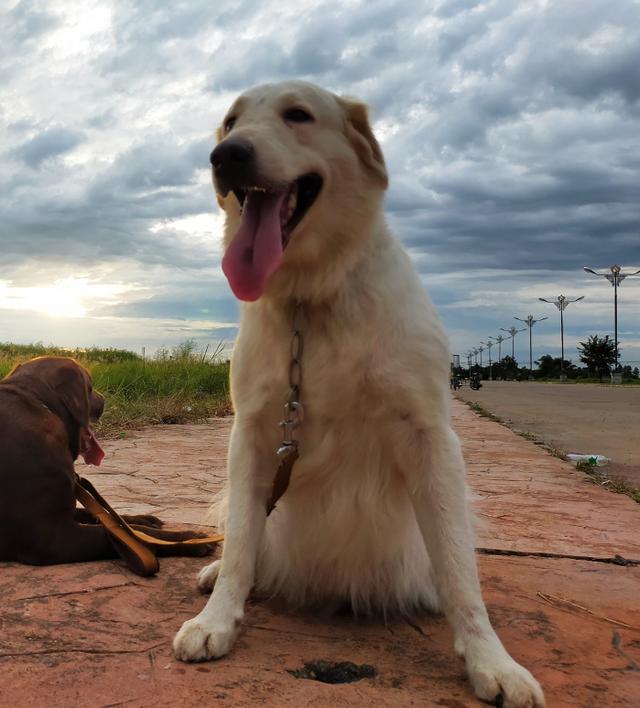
[440, 504]
[211, 633]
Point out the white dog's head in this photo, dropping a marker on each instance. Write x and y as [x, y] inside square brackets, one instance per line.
[300, 177]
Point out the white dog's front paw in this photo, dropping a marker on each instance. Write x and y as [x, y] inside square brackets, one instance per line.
[208, 575]
[198, 640]
[494, 673]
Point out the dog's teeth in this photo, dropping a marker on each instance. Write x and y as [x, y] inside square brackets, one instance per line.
[293, 200]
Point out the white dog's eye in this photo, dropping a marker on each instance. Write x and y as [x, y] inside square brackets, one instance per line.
[297, 115]
[228, 124]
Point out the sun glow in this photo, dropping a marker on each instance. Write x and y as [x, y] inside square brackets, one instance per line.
[68, 297]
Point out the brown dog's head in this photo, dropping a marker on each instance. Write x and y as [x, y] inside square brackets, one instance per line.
[300, 176]
[66, 389]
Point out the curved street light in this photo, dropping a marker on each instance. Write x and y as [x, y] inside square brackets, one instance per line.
[615, 276]
[499, 339]
[488, 345]
[513, 331]
[530, 322]
[561, 302]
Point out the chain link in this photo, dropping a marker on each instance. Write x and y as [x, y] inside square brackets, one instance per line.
[293, 410]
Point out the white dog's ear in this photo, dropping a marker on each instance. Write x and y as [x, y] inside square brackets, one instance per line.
[363, 140]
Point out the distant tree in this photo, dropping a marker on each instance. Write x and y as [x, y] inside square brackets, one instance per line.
[599, 354]
[506, 369]
[549, 367]
[185, 351]
[629, 373]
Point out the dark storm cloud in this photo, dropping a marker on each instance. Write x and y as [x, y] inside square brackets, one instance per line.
[187, 303]
[23, 26]
[468, 93]
[109, 213]
[338, 47]
[26, 21]
[155, 37]
[49, 143]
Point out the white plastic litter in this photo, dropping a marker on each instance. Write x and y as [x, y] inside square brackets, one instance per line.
[597, 460]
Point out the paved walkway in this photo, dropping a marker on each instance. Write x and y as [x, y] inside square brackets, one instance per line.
[95, 635]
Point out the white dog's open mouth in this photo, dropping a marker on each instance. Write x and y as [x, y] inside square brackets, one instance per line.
[269, 217]
[299, 197]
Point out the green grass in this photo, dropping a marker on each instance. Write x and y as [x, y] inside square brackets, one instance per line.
[614, 484]
[160, 391]
[183, 385]
[480, 410]
[11, 354]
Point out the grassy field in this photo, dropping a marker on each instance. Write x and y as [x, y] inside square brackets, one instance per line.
[181, 385]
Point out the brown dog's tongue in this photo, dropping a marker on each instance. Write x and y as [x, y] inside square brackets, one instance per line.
[91, 451]
[256, 249]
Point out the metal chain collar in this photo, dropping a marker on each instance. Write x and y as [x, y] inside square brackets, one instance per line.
[293, 410]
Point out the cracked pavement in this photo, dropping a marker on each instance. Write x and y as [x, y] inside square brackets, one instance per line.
[96, 635]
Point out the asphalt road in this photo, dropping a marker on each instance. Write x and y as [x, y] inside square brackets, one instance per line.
[581, 418]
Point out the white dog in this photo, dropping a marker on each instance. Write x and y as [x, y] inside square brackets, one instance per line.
[376, 512]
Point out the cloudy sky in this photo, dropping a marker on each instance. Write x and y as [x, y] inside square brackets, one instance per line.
[511, 131]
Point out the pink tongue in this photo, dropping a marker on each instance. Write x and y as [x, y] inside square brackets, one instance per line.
[256, 249]
[93, 454]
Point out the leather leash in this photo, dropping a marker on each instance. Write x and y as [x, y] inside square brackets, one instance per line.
[293, 415]
[136, 548]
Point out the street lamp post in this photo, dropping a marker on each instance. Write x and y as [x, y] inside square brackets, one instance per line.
[499, 339]
[561, 302]
[615, 276]
[530, 322]
[480, 350]
[513, 331]
[488, 345]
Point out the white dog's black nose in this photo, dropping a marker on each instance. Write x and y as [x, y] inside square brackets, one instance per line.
[233, 162]
[231, 153]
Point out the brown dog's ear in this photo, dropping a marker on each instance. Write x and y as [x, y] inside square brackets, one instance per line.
[13, 371]
[71, 387]
[363, 140]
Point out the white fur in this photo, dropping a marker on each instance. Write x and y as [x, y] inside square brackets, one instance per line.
[376, 513]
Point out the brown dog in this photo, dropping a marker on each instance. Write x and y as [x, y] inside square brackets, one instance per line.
[46, 406]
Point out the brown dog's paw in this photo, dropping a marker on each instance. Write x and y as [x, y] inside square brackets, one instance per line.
[176, 537]
[198, 550]
[205, 549]
[196, 534]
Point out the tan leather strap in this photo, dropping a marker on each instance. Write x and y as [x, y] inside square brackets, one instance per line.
[138, 557]
[135, 547]
[283, 475]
